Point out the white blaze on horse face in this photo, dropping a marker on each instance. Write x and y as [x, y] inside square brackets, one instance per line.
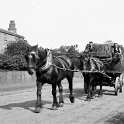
[30, 55]
[33, 53]
[30, 60]
[31, 64]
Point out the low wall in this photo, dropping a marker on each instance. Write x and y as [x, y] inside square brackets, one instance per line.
[16, 80]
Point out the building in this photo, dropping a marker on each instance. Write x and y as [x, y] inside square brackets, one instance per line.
[9, 36]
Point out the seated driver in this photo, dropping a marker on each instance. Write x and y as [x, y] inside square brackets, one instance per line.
[89, 48]
[117, 49]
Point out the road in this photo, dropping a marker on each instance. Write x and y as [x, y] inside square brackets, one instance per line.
[16, 107]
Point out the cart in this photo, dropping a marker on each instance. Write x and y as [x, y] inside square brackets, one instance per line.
[113, 63]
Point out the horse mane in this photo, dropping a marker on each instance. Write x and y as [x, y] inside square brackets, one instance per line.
[92, 63]
[98, 65]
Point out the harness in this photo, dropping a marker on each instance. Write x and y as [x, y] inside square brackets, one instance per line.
[49, 62]
[62, 62]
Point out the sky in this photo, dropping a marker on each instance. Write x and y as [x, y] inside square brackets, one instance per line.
[53, 23]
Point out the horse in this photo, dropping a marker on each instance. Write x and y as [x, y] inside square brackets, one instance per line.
[93, 72]
[52, 70]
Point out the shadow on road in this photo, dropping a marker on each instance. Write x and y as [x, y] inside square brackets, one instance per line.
[117, 119]
[78, 94]
[28, 104]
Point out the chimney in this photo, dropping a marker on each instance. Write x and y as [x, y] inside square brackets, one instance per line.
[12, 27]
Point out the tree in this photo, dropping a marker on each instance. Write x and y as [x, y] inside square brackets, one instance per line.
[17, 48]
[14, 56]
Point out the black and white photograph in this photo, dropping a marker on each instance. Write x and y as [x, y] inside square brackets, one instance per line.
[62, 62]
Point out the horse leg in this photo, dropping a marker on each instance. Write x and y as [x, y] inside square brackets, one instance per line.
[85, 83]
[38, 102]
[55, 102]
[89, 92]
[89, 89]
[93, 90]
[71, 96]
[60, 94]
[100, 91]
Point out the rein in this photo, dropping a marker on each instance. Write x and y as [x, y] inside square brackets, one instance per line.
[84, 71]
[49, 63]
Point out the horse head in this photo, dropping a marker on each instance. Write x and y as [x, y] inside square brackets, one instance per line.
[84, 61]
[32, 58]
[38, 58]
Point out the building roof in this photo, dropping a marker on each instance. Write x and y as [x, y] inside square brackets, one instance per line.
[11, 33]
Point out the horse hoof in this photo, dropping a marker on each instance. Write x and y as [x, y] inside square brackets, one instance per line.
[54, 107]
[37, 110]
[60, 104]
[92, 97]
[100, 94]
[88, 99]
[72, 99]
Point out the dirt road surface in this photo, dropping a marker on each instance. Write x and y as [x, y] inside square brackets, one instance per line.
[16, 107]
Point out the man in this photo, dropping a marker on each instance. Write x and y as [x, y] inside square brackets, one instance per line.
[117, 49]
[117, 54]
[89, 47]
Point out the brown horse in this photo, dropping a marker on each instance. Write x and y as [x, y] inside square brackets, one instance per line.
[93, 72]
[52, 70]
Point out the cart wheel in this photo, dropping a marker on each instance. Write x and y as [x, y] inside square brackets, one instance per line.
[121, 82]
[116, 91]
[117, 85]
[120, 89]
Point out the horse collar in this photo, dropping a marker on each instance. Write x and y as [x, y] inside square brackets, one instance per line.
[48, 62]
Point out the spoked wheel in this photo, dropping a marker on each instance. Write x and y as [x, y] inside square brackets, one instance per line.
[121, 82]
[116, 91]
[120, 90]
[117, 86]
